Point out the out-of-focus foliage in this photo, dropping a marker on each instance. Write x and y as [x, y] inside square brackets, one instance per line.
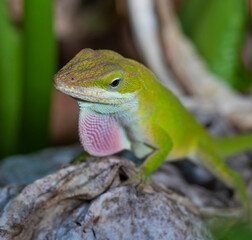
[27, 64]
[10, 82]
[218, 29]
[39, 66]
[241, 232]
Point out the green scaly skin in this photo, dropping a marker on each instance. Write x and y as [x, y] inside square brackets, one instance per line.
[154, 121]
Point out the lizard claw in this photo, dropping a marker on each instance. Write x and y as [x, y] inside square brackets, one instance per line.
[80, 159]
[139, 179]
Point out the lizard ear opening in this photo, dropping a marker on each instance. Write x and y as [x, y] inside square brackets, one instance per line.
[115, 83]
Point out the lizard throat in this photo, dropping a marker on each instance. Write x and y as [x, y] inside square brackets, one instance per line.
[101, 135]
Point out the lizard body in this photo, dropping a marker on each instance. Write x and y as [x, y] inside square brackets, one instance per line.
[123, 106]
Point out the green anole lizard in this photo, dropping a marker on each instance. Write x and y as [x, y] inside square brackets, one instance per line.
[123, 106]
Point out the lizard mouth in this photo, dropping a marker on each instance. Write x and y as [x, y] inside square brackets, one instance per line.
[93, 95]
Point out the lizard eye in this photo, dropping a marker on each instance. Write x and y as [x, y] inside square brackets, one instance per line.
[115, 83]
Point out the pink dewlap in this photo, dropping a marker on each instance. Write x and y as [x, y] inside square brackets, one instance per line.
[100, 135]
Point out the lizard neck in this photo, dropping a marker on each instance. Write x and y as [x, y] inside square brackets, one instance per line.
[123, 110]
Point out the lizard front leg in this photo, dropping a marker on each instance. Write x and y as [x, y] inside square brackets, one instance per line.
[158, 139]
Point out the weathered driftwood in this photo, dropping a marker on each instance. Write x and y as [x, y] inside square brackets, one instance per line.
[90, 201]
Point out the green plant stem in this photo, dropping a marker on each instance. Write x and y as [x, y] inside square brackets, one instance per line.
[10, 82]
[39, 66]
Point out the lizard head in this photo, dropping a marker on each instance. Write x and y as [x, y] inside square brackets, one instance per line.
[101, 76]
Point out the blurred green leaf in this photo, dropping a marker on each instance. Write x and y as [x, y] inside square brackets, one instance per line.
[218, 30]
[39, 57]
[10, 82]
[238, 232]
[190, 12]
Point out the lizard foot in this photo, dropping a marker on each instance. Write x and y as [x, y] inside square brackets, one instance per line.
[80, 159]
[139, 179]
